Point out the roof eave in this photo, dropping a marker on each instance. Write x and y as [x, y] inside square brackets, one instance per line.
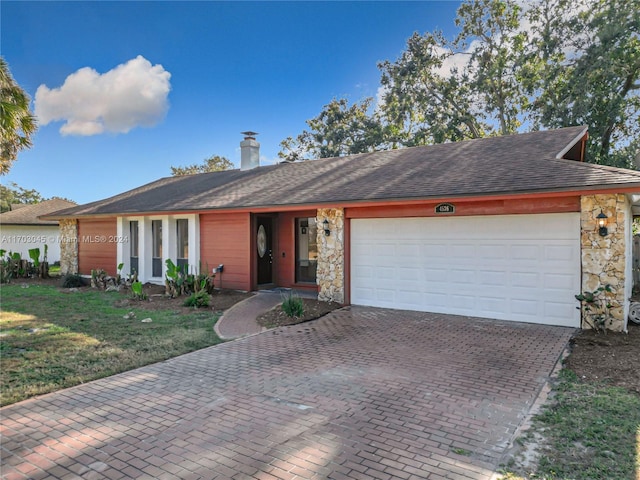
[633, 188]
[577, 139]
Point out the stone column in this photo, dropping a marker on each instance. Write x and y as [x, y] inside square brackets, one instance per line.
[604, 258]
[330, 272]
[68, 246]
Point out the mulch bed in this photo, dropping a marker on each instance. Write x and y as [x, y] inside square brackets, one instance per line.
[313, 309]
[156, 299]
[613, 358]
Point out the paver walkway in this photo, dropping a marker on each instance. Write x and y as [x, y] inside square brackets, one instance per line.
[362, 393]
[240, 320]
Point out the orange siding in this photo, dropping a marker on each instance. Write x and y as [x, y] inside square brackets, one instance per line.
[475, 207]
[225, 238]
[97, 244]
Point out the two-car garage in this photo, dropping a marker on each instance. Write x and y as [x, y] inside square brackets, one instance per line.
[508, 267]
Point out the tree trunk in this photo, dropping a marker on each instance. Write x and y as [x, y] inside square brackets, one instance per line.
[43, 270]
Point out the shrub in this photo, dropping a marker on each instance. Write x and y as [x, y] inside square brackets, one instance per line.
[597, 308]
[136, 291]
[72, 280]
[197, 299]
[179, 282]
[293, 305]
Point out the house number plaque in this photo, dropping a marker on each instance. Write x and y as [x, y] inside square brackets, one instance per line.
[445, 208]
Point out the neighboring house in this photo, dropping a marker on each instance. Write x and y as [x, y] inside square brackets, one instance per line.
[21, 229]
[502, 227]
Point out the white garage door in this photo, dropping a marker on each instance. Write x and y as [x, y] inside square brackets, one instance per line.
[509, 267]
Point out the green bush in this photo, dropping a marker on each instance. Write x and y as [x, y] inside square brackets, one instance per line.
[136, 291]
[72, 280]
[197, 300]
[293, 305]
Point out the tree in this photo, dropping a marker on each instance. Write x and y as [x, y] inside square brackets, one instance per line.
[15, 194]
[440, 90]
[492, 35]
[590, 55]
[17, 123]
[211, 164]
[513, 66]
[338, 130]
[425, 102]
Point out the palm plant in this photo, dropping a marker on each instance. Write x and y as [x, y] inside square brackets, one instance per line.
[17, 123]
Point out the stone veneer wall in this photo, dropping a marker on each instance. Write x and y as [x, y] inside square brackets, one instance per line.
[68, 246]
[330, 272]
[604, 258]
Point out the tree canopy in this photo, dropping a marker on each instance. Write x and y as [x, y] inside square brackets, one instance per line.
[587, 71]
[511, 67]
[338, 130]
[17, 123]
[214, 163]
[13, 194]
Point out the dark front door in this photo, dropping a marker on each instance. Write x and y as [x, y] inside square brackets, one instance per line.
[264, 244]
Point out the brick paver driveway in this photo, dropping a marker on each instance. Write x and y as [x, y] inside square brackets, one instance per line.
[361, 393]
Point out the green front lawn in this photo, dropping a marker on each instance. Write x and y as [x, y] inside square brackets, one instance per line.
[52, 338]
[591, 431]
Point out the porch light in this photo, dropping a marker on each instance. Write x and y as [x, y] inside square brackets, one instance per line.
[602, 224]
[325, 226]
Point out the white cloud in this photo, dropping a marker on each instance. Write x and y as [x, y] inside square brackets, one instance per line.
[457, 60]
[130, 95]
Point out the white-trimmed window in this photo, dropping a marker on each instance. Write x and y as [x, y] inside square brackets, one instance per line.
[182, 243]
[156, 249]
[134, 247]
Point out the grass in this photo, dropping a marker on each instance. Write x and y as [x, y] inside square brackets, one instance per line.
[52, 339]
[592, 431]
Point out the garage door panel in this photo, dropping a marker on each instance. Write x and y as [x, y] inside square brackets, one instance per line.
[526, 252]
[408, 275]
[490, 306]
[525, 279]
[386, 295]
[388, 273]
[513, 267]
[362, 272]
[494, 252]
[524, 307]
[560, 253]
[559, 281]
[462, 250]
[407, 250]
[435, 275]
[437, 300]
[366, 295]
[409, 297]
[493, 278]
[465, 303]
[430, 250]
[462, 276]
[557, 312]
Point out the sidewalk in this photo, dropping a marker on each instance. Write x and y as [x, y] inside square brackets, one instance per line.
[240, 320]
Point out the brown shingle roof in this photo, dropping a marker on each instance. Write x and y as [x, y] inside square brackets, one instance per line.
[28, 214]
[497, 165]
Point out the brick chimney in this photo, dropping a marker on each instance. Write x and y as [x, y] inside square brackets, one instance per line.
[249, 151]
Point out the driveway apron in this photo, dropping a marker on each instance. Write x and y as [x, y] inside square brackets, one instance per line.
[360, 393]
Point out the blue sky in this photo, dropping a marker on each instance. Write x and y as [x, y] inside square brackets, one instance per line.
[127, 89]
